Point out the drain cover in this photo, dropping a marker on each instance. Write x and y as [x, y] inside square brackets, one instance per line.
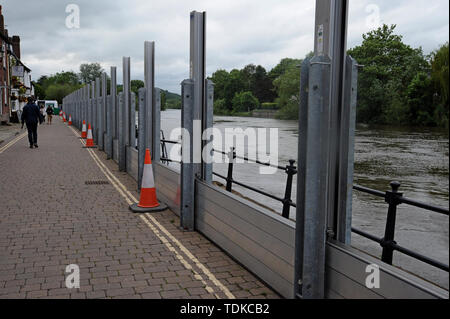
[96, 182]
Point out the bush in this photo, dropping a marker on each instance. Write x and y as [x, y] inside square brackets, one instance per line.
[244, 102]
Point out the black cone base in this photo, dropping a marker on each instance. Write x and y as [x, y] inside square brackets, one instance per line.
[139, 210]
[89, 146]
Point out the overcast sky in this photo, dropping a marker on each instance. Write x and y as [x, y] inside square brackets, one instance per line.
[239, 32]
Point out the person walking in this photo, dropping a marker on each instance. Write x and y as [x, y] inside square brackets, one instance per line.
[49, 115]
[31, 116]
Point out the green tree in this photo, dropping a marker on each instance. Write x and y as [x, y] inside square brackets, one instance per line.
[420, 100]
[288, 89]
[59, 91]
[90, 71]
[220, 78]
[244, 102]
[440, 77]
[389, 67]
[234, 85]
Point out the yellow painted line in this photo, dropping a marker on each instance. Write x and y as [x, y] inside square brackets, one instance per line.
[11, 143]
[130, 199]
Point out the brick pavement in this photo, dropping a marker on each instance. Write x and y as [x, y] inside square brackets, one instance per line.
[49, 218]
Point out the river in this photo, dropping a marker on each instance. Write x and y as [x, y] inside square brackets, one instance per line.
[416, 157]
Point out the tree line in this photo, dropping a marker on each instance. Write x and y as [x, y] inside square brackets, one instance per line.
[397, 84]
[61, 84]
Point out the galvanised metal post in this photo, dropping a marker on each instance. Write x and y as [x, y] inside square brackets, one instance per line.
[291, 170]
[132, 124]
[187, 180]
[121, 134]
[336, 178]
[231, 157]
[126, 107]
[197, 75]
[392, 198]
[110, 115]
[141, 134]
[322, 181]
[156, 123]
[149, 73]
[346, 160]
[209, 115]
[114, 109]
[102, 112]
[92, 106]
[97, 114]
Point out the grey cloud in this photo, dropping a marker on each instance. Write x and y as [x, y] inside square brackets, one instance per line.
[238, 32]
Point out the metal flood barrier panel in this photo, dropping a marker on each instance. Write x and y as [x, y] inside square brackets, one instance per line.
[262, 242]
[346, 278]
[167, 183]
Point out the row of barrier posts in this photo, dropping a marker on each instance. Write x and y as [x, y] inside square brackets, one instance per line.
[112, 115]
[113, 120]
[326, 134]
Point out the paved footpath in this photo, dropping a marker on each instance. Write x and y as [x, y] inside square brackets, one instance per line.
[50, 218]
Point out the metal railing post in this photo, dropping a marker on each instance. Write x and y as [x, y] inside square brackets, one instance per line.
[97, 115]
[231, 157]
[132, 127]
[291, 170]
[392, 198]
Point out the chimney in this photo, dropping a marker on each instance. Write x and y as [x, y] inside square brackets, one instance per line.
[16, 45]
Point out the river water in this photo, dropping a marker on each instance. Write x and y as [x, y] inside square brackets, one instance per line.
[416, 157]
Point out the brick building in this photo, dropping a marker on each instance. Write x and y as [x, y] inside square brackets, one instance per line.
[15, 77]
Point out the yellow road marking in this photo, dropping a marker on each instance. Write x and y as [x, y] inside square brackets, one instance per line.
[129, 198]
[11, 143]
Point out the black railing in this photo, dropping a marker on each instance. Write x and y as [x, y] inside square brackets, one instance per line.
[394, 198]
[290, 170]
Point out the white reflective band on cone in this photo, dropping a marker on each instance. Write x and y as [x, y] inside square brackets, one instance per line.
[89, 135]
[147, 177]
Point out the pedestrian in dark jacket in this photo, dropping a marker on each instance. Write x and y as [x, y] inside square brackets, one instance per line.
[31, 116]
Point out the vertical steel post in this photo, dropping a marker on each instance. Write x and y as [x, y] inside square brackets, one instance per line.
[132, 127]
[121, 134]
[346, 156]
[209, 118]
[97, 114]
[141, 134]
[325, 133]
[156, 124]
[110, 120]
[114, 108]
[102, 122]
[149, 69]
[187, 181]
[92, 111]
[126, 106]
[197, 75]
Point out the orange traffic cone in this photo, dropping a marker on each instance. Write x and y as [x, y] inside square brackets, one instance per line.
[64, 117]
[83, 130]
[148, 201]
[70, 120]
[89, 140]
